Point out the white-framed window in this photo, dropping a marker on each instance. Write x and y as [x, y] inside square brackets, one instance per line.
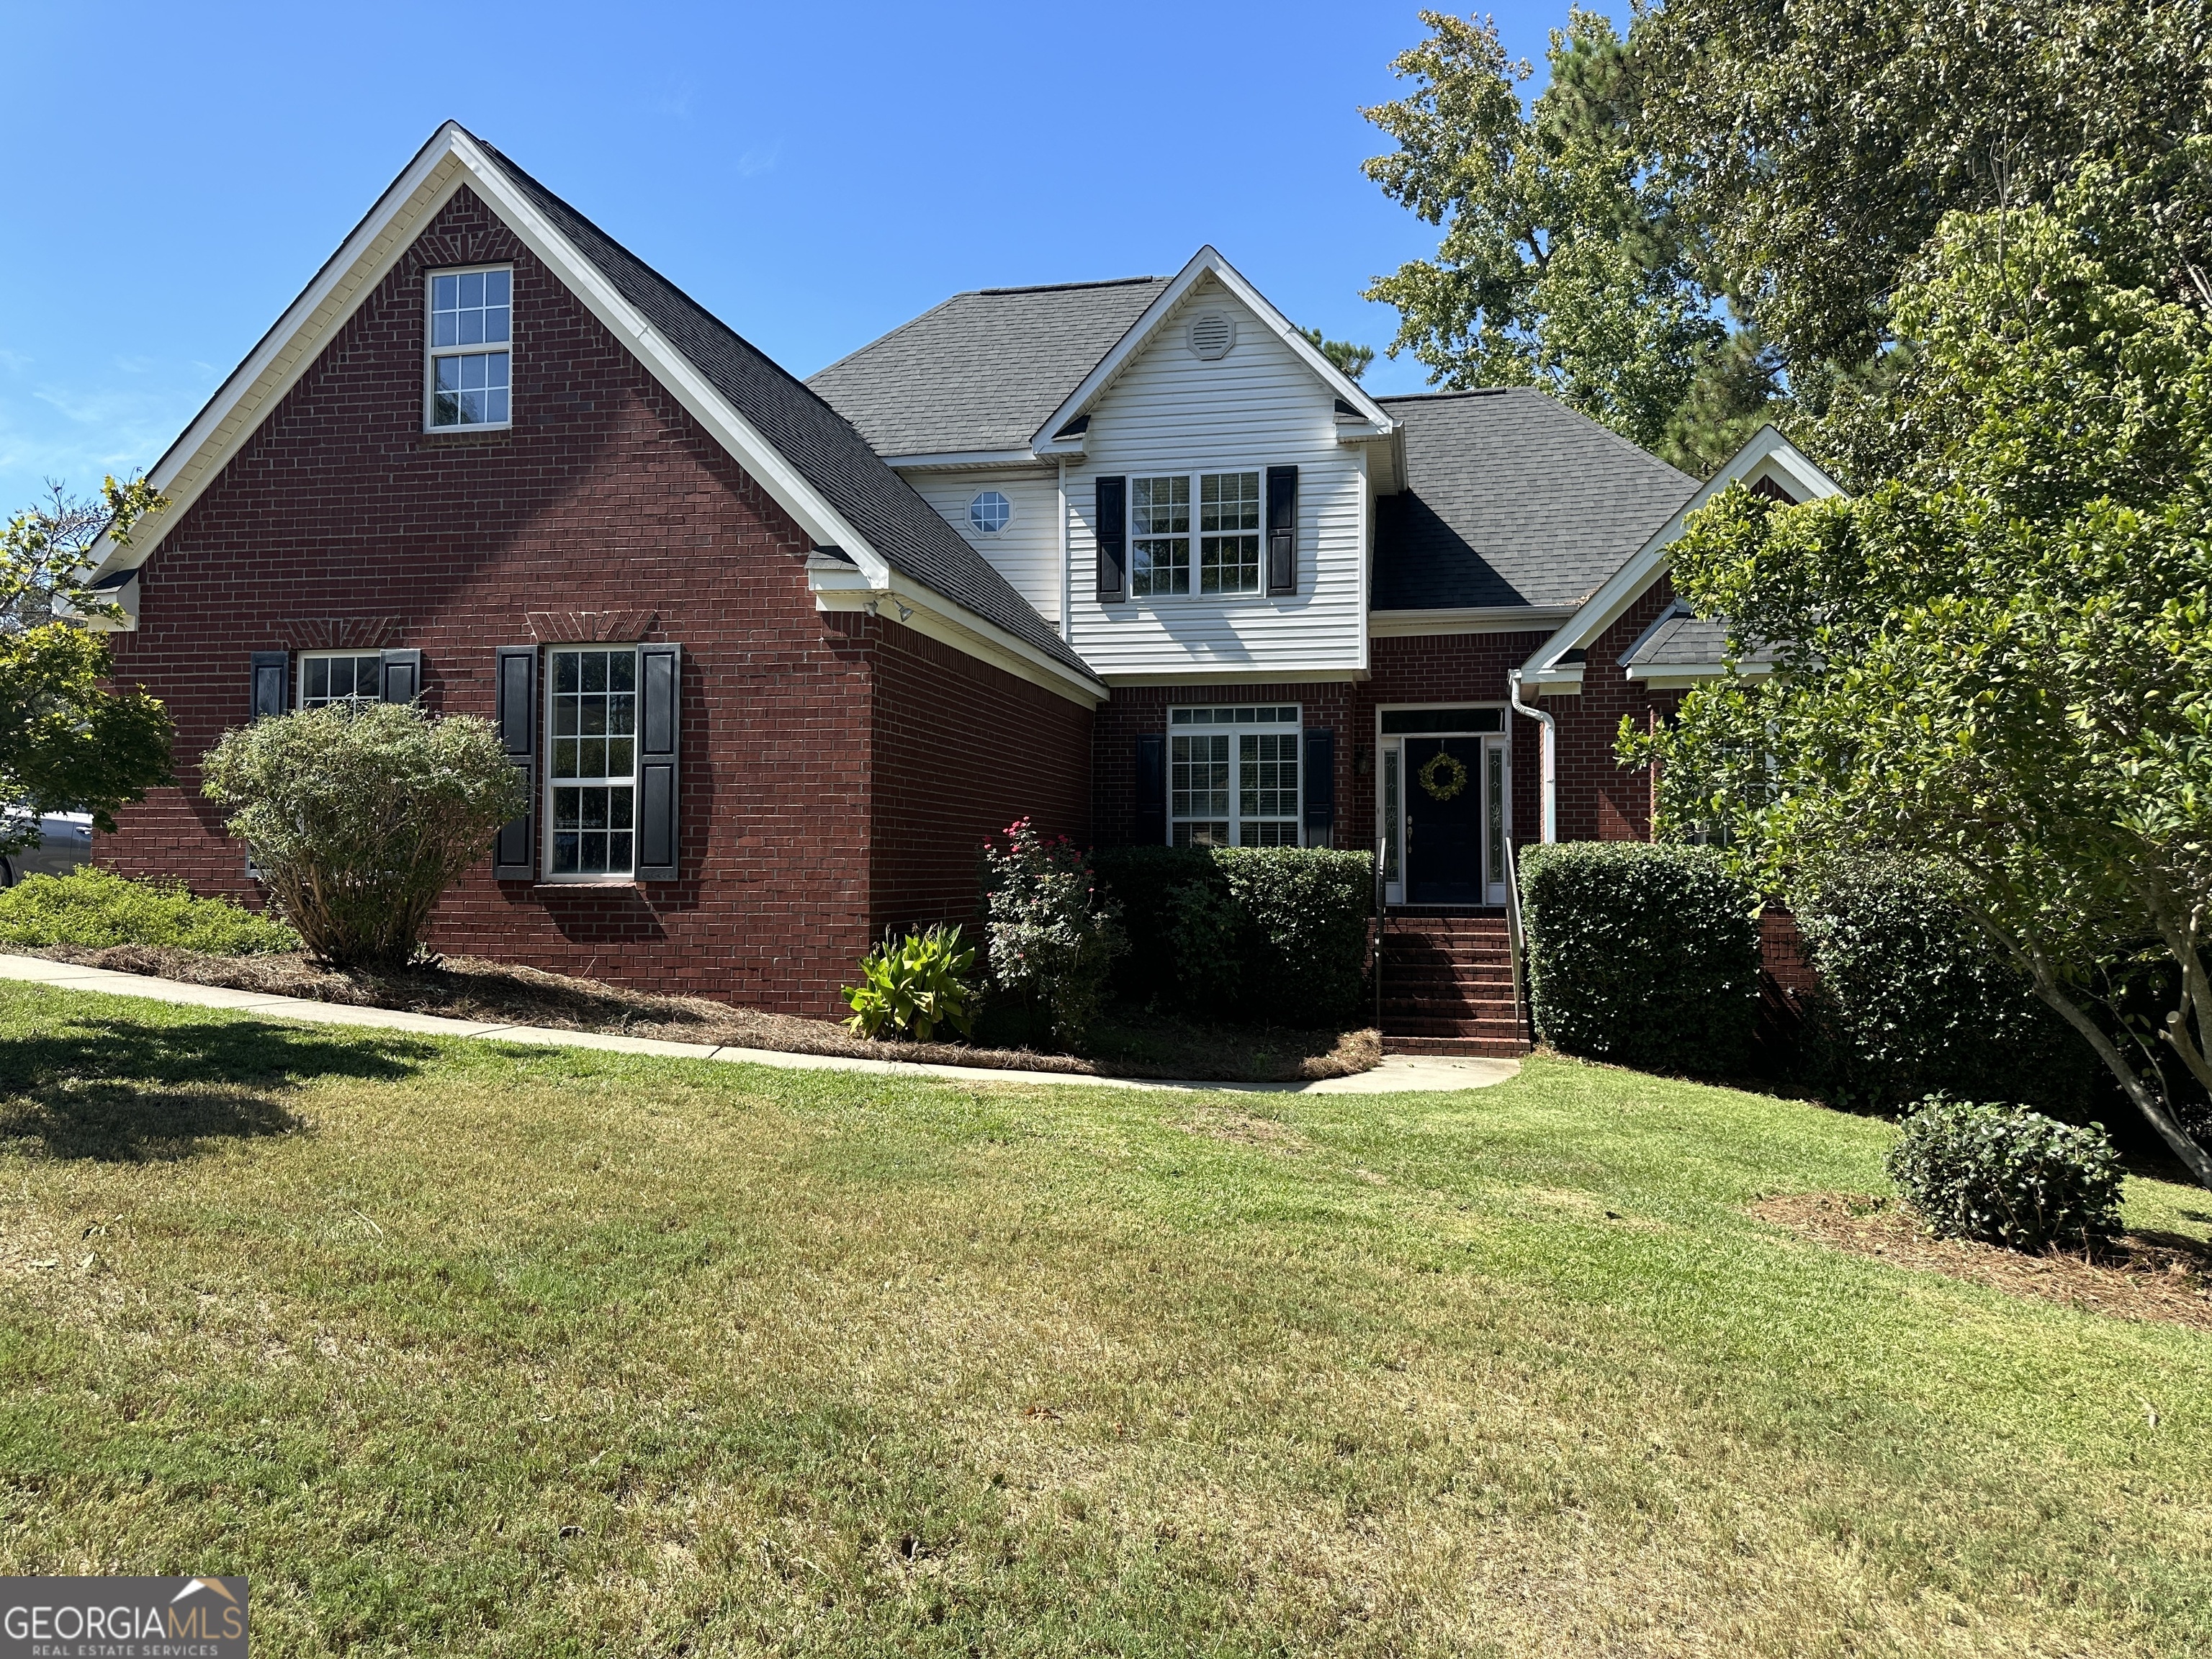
[347, 677]
[990, 512]
[591, 775]
[1228, 533]
[1233, 776]
[468, 383]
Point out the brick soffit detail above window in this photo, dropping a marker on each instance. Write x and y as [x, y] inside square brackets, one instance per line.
[337, 633]
[577, 627]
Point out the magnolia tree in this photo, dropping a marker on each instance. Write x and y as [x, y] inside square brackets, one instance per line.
[358, 820]
[1998, 657]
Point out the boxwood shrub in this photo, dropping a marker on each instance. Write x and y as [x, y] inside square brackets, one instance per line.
[1276, 934]
[1914, 1001]
[1641, 954]
[2007, 1175]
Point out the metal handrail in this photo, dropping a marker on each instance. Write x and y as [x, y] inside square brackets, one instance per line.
[1514, 939]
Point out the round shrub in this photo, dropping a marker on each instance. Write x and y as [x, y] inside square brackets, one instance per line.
[2004, 1174]
[1643, 954]
[359, 819]
[1914, 1000]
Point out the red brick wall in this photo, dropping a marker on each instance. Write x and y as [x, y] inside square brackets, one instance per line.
[1449, 668]
[340, 521]
[1600, 801]
[962, 749]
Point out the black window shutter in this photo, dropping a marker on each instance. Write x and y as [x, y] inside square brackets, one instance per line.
[1112, 539]
[272, 682]
[659, 675]
[1282, 530]
[514, 850]
[403, 676]
[1151, 788]
[1320, 785]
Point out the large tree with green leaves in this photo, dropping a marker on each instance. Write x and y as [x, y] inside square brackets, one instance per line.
[1811, 147]
[1998, 658]
[1561, 265]
[68, 741]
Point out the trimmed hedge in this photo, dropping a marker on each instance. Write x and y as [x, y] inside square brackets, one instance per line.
[95, 909]
[1643, 954]
[2007, 1176]
[1914, 1001]
[1266, 934]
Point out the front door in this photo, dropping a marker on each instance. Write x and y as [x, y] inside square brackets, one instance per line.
[1444, 820]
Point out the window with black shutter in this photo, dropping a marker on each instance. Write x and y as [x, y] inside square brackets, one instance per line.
[514, 850]
[1151, 788]
[1282, 530]
[660, 674]
[1113, 534]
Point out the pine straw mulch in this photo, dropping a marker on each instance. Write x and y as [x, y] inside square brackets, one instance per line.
[470, 988]
[2149, 1276]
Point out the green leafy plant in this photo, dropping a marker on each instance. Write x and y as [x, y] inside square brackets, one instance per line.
[96, 909]
[1275, 934]
[358, 820]
[2007, 1175]
[1054, 935]
[1641, 954]
[1915, 1000]
[911, 985]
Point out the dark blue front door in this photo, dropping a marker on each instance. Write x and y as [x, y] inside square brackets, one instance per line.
[1443, 820]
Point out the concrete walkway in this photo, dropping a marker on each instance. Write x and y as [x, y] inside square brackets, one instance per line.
[1397, 1074]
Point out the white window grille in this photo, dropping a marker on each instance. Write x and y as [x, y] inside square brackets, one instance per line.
[592, 781]
[472, 330]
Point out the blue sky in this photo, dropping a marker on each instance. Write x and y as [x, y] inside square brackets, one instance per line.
[815, 174]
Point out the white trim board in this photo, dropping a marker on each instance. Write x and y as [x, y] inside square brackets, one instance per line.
[1767, 454]
[1206, 261]
[451, 159]
[1471, 619]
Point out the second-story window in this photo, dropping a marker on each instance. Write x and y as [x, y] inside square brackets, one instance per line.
[1227, 534]
[472, 330]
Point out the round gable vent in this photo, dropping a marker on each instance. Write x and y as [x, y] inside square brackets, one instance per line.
[1212, 334]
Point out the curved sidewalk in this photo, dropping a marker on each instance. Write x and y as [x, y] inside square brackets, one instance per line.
[1397, 1074]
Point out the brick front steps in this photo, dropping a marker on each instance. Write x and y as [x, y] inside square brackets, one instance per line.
[1447, 979]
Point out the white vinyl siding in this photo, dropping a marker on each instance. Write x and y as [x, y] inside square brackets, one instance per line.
[1259, 406]
[1027, 551]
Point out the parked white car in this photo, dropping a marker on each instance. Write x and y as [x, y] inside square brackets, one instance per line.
[64, 843]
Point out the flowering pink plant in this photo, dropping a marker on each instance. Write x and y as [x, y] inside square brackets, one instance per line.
[1053, 935]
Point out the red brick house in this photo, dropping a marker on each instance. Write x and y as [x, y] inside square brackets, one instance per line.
[1131, 558]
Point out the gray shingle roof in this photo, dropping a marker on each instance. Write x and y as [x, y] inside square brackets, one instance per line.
[1680, 640]
[983, 370]
[1512, 498]
[818, 442]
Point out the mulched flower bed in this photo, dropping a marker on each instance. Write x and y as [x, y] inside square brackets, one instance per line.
[2133, 1276]
[468, 987]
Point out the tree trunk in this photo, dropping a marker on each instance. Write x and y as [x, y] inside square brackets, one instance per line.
[2148, 1101]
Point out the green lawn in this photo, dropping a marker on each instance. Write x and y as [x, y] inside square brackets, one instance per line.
[458, 1348]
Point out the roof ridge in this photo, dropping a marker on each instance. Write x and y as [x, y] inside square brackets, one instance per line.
[1454, 391]
[1055, 288]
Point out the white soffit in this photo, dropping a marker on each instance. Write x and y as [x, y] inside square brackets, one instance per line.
[449, 160]
[1207, 261]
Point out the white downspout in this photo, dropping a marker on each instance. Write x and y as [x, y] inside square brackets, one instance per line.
[1548, 775]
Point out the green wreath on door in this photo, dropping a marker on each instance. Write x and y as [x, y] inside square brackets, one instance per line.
[1444, 775]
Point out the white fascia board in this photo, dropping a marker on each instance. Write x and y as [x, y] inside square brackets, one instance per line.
[449, 160]
[1626, 585]
[1198, 678]
[970, 460]
[842, 588]
[1674, 676]
[1471, 619]
[1208, 260]
[283, 354]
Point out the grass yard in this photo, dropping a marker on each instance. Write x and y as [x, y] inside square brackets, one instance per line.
[462, 1349]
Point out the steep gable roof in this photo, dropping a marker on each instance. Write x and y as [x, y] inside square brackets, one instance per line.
[980, 372]
[806, 456]
[912, 536]
[1512, 499]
